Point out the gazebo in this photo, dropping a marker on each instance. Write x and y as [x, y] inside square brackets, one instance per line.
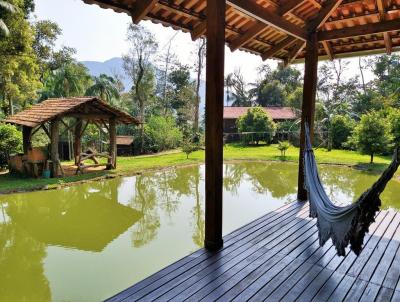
[288, 30]
[52, 113]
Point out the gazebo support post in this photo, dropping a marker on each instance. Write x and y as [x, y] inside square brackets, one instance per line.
[26, 138]
[54, 134]
[308, 105]
[214, 122]
[77, 140]
[112, 162]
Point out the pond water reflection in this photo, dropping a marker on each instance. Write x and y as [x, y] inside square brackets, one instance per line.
[87, 242]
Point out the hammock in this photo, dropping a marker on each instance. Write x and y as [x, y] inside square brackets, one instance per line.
[346, 224]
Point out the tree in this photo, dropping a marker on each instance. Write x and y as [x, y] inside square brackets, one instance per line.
[387, 70]
[19, 76]
[341, 128]
[10, 142]
[256, 120]
[68, 81]
[237, 93]
[162, 134]
[372, 135]
[201, 53]
[188, 147]
[7, 8]
[283, 147]
[104, 87]
[137, 64]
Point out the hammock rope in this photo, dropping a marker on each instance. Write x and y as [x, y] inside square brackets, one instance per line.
[348, 224]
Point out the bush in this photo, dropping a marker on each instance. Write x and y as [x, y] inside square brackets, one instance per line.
[258, 121]
[372, 135]
[341, 127]
[188, 147]
[161, 133]
[283, 147]
[10, 142]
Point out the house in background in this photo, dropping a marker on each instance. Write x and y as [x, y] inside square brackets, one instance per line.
[278, 114]
[125, 145]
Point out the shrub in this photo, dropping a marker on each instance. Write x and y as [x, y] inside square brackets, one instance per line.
[161, 133]
[10, 142]
[257, 121]
[188, 147]
[283, 147]
[372, 135]
[341, 128]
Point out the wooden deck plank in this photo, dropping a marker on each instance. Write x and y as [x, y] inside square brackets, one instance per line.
[278, 257]
[276, 237]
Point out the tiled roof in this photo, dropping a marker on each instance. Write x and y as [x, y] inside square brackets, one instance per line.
[53, 108]
[276, 113]
[125, 140]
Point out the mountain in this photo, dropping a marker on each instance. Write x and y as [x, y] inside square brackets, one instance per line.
[110, 67]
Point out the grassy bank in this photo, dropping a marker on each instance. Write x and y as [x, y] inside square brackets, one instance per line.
[132, 165]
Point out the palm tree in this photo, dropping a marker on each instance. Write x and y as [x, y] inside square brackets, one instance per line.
[105, 87]
[8, 7]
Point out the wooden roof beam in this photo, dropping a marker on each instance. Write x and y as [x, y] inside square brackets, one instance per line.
[289, 6]
[201, 28]
[269, 18]
[141, 9]
[326, 11]
[386, 35]
[360, 30]
[328, 49]
[260, 26]
[248, 35]
[274, 49]
[388, 42]
[295, 52]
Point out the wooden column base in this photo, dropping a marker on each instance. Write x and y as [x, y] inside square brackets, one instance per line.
[213, 245]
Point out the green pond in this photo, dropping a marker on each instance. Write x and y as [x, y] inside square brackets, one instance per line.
[90, 241]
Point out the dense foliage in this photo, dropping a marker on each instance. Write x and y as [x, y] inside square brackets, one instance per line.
[10, 143]
[161, 133]
[256, 125]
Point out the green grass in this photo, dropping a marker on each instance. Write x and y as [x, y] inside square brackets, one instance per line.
[132, 165]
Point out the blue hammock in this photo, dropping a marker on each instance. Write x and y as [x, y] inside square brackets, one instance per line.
[344, 225]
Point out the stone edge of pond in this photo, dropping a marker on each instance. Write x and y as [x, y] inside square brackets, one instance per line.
[111, 175]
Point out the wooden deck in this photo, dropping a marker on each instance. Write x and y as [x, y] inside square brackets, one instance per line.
[277, 257]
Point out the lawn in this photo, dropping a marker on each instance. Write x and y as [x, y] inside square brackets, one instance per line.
[132, 165]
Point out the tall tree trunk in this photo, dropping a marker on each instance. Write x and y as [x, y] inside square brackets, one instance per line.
[199, 70]
[141, 101]
[362, 74]
[372, 158]
[10, 106]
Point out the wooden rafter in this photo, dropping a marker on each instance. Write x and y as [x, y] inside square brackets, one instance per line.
[360, 30]
[328, 49]
[141, 9]
[269, 18]
[250, 34]
[386, 35]
[289, 6]
[326, 11]
[273, 50]
[293, 54]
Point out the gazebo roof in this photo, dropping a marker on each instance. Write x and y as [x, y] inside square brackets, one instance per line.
[86, 107]
[279, 28]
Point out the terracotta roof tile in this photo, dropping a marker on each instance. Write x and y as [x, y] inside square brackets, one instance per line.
[125, 140]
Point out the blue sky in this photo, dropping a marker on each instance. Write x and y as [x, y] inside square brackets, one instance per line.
[100, 34]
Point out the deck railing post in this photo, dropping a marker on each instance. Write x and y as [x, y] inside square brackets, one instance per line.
[214, 122]
[308, 105]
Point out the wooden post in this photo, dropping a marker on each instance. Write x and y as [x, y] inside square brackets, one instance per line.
[112, 162]
[54, 133]
[77, 140]
[26, 138]
[214, 122]
[308, 106]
